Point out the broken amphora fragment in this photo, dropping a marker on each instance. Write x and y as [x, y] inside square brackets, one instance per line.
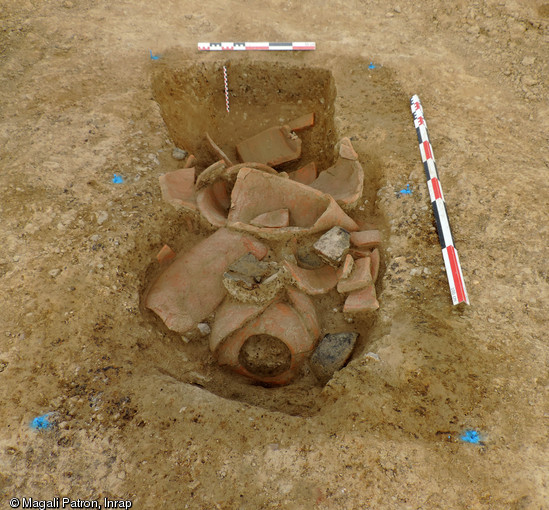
[177, 188]
[191, 288]
[306, 174]
[310, 211]
[303, 122]
[366, 238]
[312, 281]
[282, 322]
[213, 202]
[218, 151]
[363, 300]
[360, 277]
[345, 180]
[273, 219]
[272, 147]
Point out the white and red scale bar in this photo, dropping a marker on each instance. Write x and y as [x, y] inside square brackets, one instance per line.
[449, 252]
[262, 46]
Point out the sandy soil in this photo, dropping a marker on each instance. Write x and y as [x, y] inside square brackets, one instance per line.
[142, 415]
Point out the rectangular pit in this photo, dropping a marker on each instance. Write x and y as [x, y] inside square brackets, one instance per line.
[261, 95]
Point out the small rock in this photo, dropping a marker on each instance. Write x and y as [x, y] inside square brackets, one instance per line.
[16, 258]
[179, 154]
[54, 272]
[195, 377]
[204, 328]
[102, 217]
[331, 354]
[372, 355]
[333, 245]
[474, 30]
[397, 9]
[528, 61]
[154, 159]
[415, 271]
[529, 80]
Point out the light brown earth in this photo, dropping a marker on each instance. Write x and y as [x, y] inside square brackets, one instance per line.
[141, 414]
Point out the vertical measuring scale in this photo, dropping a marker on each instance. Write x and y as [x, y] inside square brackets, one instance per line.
[226, 88]
[449, 252]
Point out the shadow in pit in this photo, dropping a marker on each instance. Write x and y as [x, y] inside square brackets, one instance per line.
[262, 94]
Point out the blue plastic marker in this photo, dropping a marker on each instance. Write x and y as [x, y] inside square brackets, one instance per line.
[154, 57]
[117, 179]
[406, 191]
[471, 436]
[41, 422]
[371, 66]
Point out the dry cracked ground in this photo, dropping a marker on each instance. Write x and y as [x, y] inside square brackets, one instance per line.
[141, 415]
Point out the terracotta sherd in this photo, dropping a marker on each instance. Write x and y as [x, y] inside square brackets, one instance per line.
[363, 300]
[256, 192]
[177, 188]
[191, 288]
[359, 278]
[366, 238]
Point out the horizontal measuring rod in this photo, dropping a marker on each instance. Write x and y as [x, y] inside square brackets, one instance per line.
[449, 252]
[262, 46]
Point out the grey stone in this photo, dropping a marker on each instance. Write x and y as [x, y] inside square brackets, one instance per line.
[333, 245]
[204, 328]
[331, 354]
[179, 154]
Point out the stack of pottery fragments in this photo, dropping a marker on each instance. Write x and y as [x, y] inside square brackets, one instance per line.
[282, 239]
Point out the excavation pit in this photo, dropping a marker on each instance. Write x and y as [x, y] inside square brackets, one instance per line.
[262, 94]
